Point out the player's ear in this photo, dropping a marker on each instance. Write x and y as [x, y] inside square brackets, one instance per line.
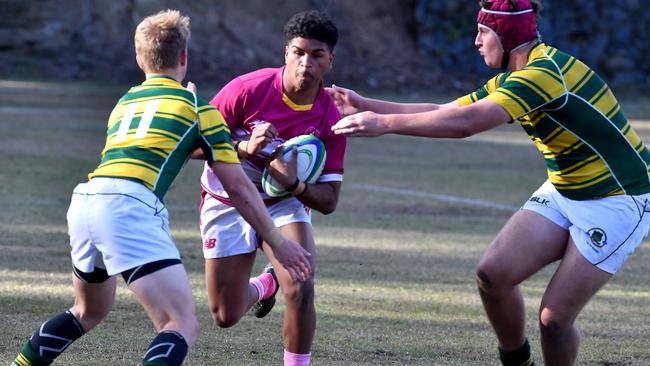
[331, 60]
[139, 62]
[183, 59]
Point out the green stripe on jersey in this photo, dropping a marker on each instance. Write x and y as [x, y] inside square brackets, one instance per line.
[176, 160]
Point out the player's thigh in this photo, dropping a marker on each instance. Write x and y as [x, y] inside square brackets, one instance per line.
[575, 282]
[302, 233]
[227, 279]
[166, 296]
[224, 232]
[294, 220]
[527, 242]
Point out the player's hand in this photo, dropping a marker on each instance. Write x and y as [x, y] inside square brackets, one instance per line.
[365, 124]
[262, 135]
[284, 171]
[191, 87]
[294, 258]
[347, 101]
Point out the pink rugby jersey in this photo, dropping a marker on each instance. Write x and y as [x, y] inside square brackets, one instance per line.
[258, 97]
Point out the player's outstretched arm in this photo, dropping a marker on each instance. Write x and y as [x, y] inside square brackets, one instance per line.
[248, 202]
[453, 122]
[349, 102]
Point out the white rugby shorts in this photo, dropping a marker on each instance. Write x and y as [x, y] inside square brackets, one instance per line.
[117, 224]
[606, 231]
[225, 233]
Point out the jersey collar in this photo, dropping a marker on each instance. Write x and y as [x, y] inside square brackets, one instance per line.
[161, 80]
[536, 52]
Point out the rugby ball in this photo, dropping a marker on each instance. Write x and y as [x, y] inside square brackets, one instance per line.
[310, 163]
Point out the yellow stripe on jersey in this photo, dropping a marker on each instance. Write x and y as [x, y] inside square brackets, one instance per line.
[607, 102]
[560, 183]
[514, 105]
[135, 171]
[294, 106]
[547, 87]
[130, 161]
[467, 99]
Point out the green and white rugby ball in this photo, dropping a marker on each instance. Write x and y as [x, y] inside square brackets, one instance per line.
[310, 163]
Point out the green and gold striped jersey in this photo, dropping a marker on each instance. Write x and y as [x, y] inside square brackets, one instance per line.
[153, 130]
[575, 121]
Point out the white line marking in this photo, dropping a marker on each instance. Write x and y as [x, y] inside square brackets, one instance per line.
[438, 197]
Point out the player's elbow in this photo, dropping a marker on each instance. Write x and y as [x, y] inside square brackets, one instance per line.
[465, 130]
[325, 206]
[328, 208]
[465, 122]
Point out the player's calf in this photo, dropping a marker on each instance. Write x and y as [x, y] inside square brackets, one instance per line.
[169, 348]
[50, 340]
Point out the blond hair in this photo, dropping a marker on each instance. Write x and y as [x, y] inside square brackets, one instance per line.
[160, 39]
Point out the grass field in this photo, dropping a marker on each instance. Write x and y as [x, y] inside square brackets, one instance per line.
[395, 276]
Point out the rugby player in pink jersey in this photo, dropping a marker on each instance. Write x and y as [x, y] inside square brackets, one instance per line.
[264, 108]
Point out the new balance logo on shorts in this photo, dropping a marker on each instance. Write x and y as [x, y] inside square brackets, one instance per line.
[210, 243]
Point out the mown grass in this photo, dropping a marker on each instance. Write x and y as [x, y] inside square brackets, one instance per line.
[394, 284]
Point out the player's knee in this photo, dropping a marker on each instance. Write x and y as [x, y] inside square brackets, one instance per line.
[89, 316]
[188, 327]
[181, 321]
[491, 278]
[299, 293]
[484, 280]
[223, 318]
[195, 332]
[553, 322]
[191, 330]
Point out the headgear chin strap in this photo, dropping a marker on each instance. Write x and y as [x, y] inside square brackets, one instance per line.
[514, 23]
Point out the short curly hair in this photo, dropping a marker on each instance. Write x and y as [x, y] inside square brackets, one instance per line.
[314, 25]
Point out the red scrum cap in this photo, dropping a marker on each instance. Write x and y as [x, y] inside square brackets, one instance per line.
[513, 21]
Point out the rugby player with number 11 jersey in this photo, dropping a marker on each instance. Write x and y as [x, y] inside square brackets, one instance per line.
[118, 222]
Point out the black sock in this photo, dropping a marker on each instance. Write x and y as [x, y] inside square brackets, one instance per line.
[169, 348]
[50, 340]
[519, 357]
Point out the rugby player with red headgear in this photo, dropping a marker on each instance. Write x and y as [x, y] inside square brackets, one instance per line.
[590, 214]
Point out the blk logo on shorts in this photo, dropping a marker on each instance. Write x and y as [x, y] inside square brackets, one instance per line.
[540, 200]
[598, 237]
[210, 243]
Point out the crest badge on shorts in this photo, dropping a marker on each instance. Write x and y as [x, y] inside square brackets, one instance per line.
[598, 237]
